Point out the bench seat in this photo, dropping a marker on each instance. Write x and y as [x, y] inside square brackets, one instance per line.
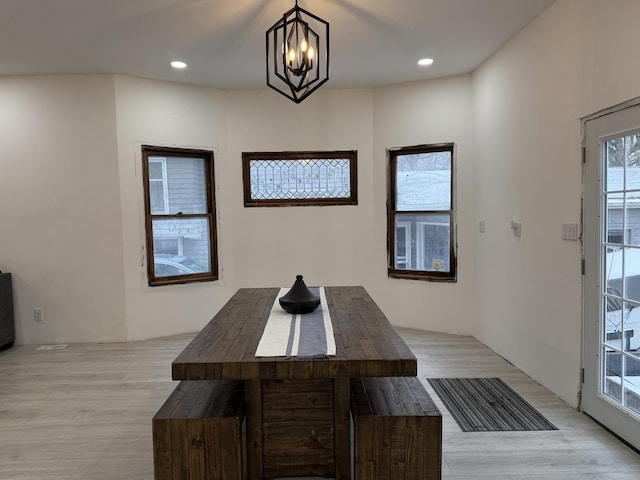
[197, 433]
[397, 430]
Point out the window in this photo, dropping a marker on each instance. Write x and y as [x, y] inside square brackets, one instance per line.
[180, 215]
[617, 235]
[158, 193]
[300, 178]
[421, 222]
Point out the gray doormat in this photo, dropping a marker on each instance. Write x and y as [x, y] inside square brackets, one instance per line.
[487, 405]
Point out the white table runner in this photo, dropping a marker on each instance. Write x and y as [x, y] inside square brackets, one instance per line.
[305, 336]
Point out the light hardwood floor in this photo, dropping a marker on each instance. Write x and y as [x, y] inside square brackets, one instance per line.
[84, 413]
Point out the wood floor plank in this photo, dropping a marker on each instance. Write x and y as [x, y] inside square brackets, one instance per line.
[85, 412]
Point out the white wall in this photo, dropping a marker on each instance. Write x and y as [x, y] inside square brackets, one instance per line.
[332, 245]
[577, 57]
[609, 52]
[257, 246]
[329, 245]
[434, 111]
[60, 228]
[95, 126]
[160, 113]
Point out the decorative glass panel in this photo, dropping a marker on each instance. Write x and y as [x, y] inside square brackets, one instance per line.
[298, 178]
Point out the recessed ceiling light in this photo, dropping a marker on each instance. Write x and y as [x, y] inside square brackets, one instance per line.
[425, 61]
[178, 64]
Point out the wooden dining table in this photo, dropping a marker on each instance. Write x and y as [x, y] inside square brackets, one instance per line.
[297, 410]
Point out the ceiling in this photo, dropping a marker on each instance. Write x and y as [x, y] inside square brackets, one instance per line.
[373, 42]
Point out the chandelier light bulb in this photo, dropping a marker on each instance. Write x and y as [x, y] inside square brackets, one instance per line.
[310, 53]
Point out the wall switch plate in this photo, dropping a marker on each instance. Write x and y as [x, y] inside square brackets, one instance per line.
[481, 226]
[38, 314]
[570, 231]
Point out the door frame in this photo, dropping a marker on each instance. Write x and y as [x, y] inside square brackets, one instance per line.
[593, 403]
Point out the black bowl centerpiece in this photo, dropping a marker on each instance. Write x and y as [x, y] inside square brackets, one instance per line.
[299, 299]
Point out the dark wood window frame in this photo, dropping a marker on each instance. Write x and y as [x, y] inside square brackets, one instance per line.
[209, 215]
[414, 274]
[250, 201]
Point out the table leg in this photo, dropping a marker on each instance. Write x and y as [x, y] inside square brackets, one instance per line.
[342, 439]
[306, 424]
[253, 400]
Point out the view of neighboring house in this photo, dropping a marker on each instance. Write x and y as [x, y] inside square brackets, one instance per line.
[619, 203]
[178, 185]
[423, 183]
[622, 277]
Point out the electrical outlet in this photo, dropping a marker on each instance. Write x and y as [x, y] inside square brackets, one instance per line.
[38, 314]
[482, 226]
[517, 228]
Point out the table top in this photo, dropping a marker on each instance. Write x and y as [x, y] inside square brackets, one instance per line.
[367, 345]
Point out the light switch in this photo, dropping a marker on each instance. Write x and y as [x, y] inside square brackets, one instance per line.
[570, 231]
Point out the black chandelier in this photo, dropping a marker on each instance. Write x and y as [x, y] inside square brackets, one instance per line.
[298, 54]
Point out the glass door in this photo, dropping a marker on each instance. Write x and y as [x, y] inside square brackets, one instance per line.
[611, 391]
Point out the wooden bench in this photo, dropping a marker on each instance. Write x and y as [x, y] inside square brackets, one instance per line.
[397, 430]
[197, 433]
